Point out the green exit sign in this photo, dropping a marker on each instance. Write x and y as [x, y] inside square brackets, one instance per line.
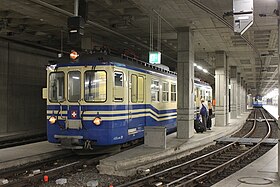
[154, 57]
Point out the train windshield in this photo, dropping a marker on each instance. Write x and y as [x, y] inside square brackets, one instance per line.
[74, 86]
[56, 87]
[95, 86]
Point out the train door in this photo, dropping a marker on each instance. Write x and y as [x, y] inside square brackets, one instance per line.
[74, 96]
[136, 103]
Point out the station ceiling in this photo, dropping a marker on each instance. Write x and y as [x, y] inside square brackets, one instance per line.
[125, 24]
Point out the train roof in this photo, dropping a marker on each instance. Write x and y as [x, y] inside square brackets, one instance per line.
[123, 61]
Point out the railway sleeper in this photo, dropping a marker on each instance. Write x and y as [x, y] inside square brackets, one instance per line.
[177, 175]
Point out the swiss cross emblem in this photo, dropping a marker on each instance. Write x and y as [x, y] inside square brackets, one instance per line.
[74, 114]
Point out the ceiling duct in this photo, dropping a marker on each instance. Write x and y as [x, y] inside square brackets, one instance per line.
[126, 22]
[270, 53]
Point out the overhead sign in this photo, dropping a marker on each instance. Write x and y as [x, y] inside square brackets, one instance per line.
[154, 57]
[242, 15]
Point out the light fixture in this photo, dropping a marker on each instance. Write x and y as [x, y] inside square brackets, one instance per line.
[52, 120]
[77, 78]
[199, 67]
[74, 55]
[97, 121]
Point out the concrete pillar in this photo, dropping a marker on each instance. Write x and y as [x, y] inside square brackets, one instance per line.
[233, 92]
[238, 94]
[246, 97]
[185, 83]
[4, 81]
[278, 120]
[250, 101]
[220, 88]
[241, 95]
[227, 91]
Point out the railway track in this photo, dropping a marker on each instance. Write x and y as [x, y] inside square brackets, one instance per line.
[198, 171]
[33, 174]
[72, 163]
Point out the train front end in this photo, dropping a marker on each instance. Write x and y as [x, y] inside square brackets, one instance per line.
[76, 105]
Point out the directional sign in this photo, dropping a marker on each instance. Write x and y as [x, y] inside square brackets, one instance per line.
[154, 57]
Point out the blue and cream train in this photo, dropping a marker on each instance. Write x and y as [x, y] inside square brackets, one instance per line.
[257, 101]
[103, 100]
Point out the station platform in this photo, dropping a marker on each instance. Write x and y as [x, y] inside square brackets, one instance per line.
[19, 155]
[261, 172]
[140, 158]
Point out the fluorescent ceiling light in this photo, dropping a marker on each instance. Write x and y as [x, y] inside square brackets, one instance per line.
[77, 78]
[199, 67]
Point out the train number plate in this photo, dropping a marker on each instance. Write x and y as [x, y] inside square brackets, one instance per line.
[74, 124]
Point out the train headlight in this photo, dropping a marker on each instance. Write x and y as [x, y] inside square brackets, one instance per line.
[52, 120]
[97, 121]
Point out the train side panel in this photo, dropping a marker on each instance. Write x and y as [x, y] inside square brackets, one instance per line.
[131, 99]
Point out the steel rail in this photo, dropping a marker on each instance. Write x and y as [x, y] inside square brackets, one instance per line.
[56, 171]
[25, 181]
[201, 158]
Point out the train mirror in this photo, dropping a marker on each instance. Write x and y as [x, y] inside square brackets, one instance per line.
[44, 93]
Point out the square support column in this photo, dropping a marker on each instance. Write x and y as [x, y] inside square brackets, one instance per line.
[238, 94]
[220, 88]
[227, 90]
[278, 120]
[4, 82]
[244, 96]
[241, 95]
[185, 83]
[233, 92]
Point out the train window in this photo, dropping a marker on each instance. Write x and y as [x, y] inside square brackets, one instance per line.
[56, 87]
[134, 88]
[165, 92]
[173, 92]
[118, 89]
[74, 86]
[155, 90]
[201, 94]
[140, 89]
[118, 78]
[95, 86]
